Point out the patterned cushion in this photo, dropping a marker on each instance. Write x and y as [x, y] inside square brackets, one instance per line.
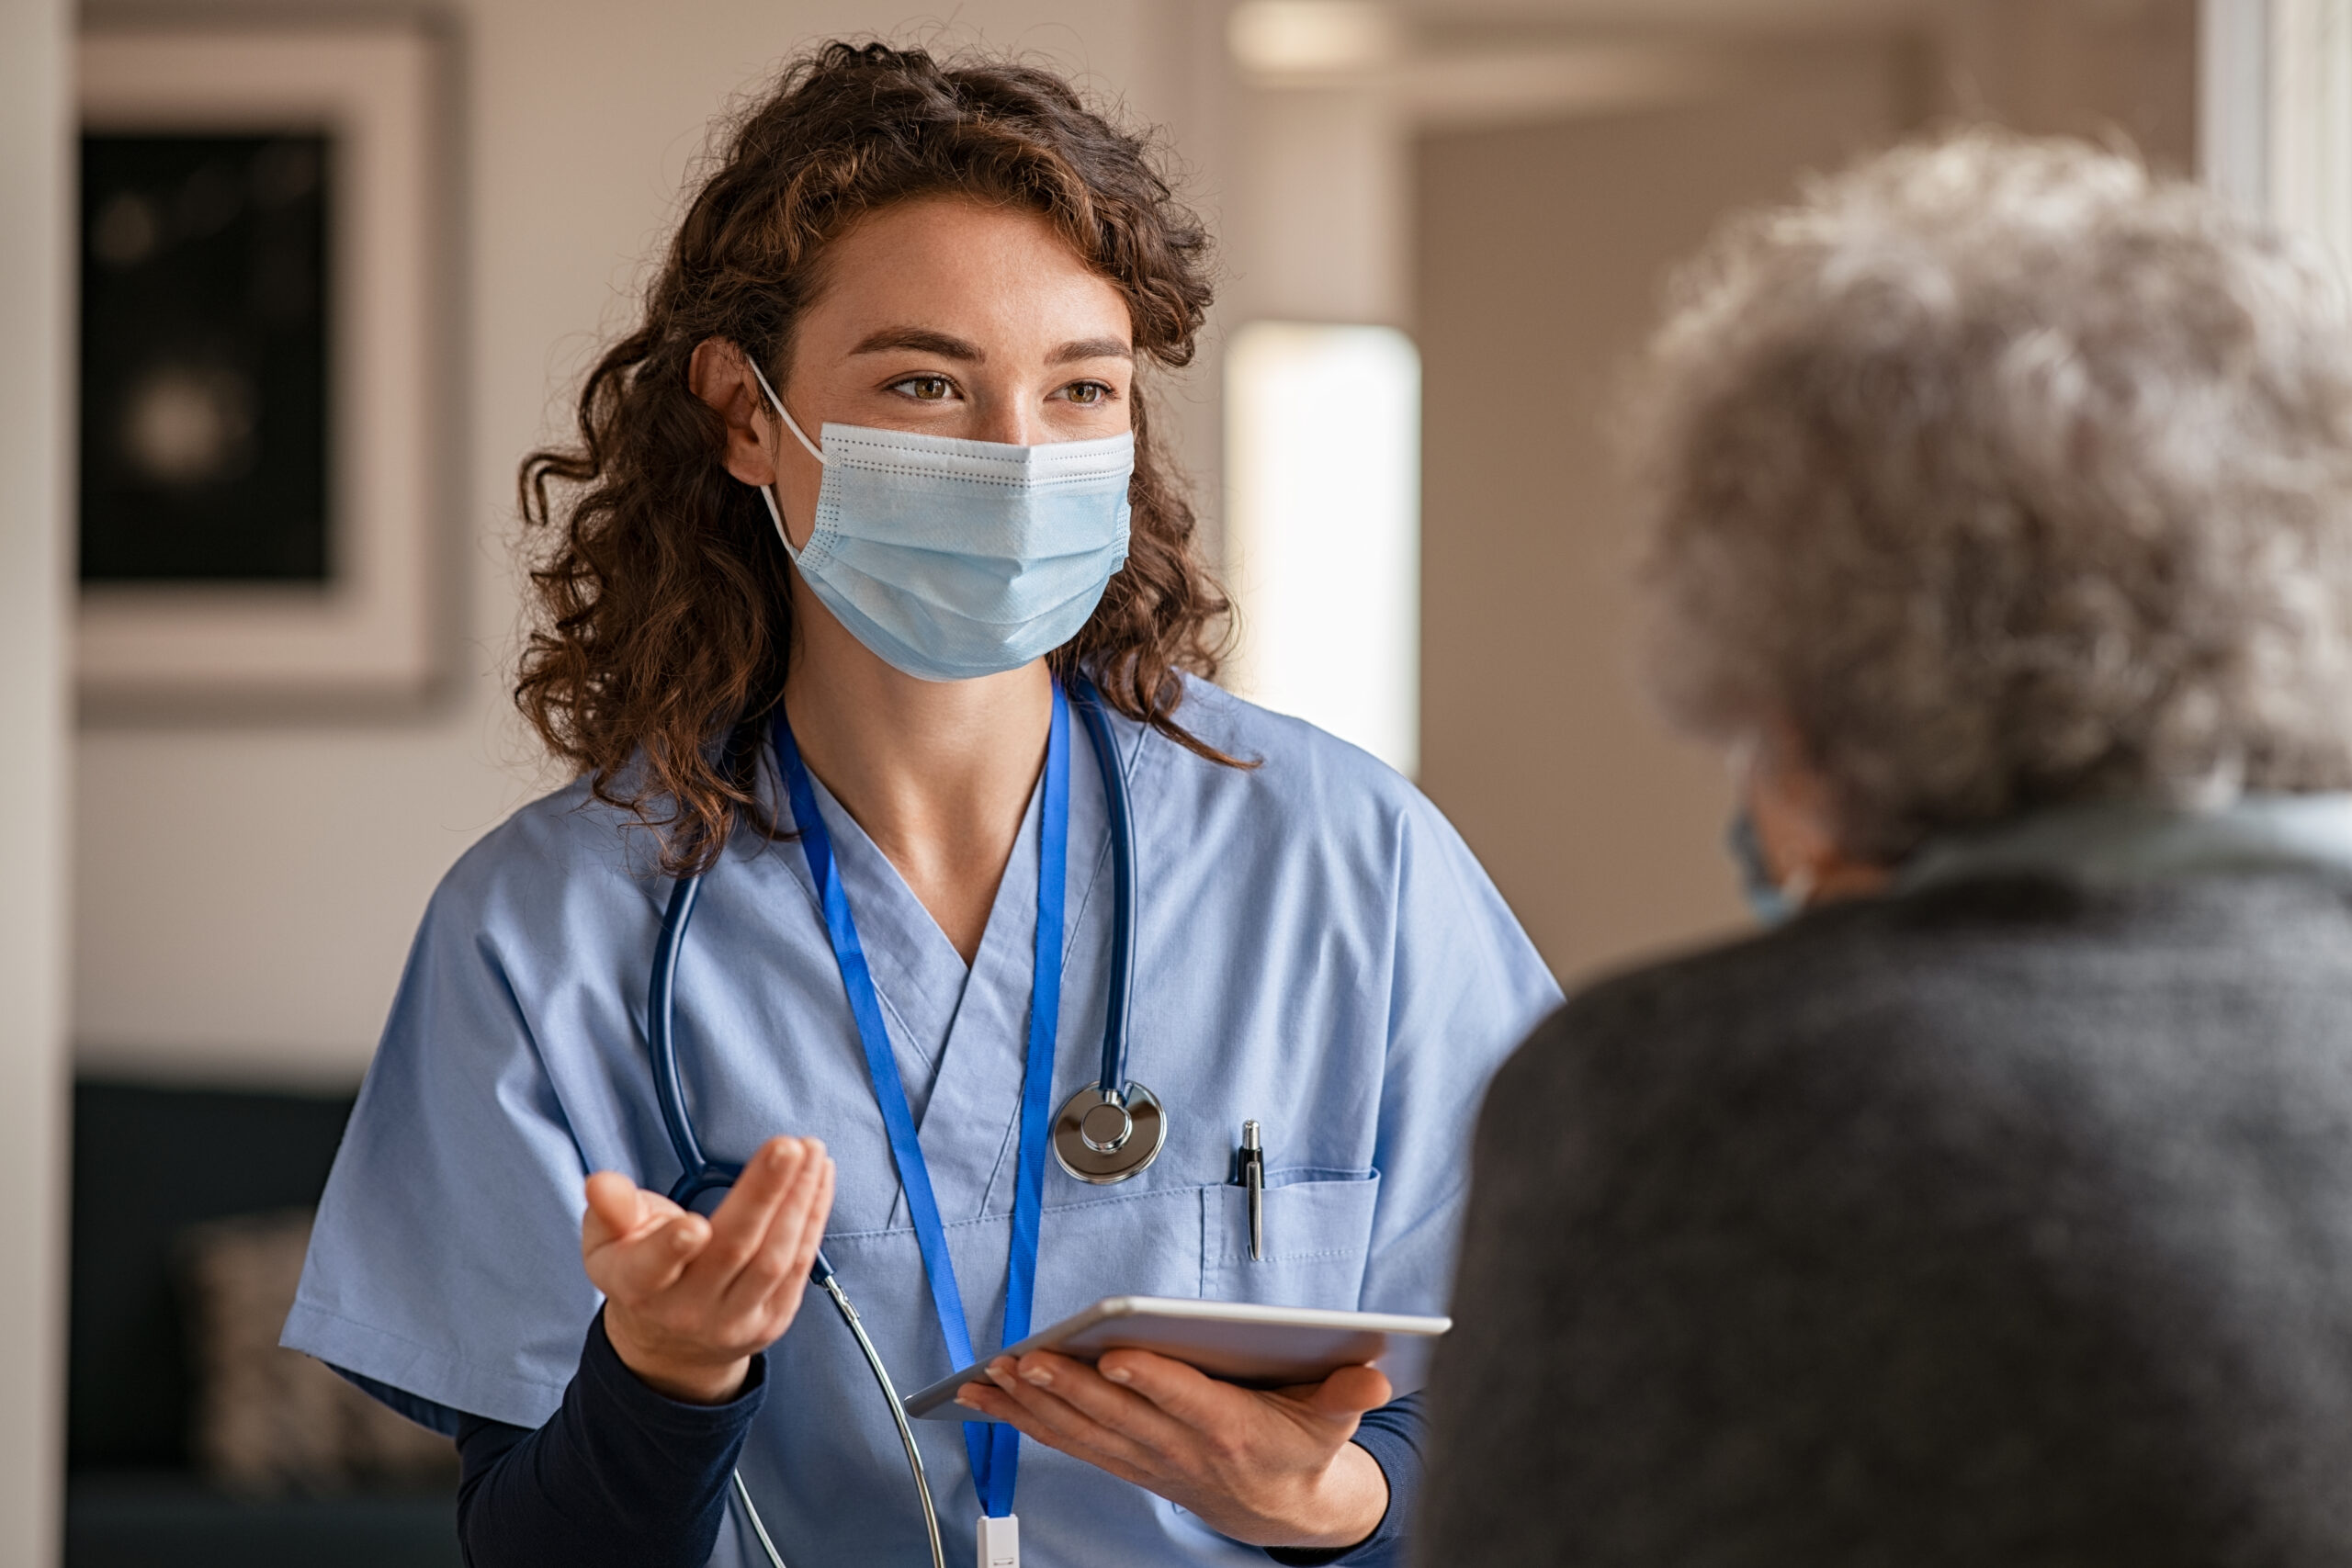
[270, 1421]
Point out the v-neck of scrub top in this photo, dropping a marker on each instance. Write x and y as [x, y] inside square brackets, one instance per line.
[960, 1035]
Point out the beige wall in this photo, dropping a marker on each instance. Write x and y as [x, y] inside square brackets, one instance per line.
[35, 323]
[2107, 69]
[1540, 253]
[246, 893]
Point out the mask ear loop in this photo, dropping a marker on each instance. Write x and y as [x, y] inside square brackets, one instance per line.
[1797, 888]
[767, 492]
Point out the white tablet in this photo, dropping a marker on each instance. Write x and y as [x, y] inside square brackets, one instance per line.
[1257, 1346]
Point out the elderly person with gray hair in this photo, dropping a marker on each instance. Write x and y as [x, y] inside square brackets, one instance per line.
[1997, 1206]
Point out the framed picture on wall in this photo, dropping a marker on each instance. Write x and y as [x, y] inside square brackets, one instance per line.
[260, 471]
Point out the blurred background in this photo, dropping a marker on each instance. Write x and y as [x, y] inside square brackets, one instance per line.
[291, 292]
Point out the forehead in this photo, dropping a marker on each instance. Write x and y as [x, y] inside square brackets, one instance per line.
[956, 264]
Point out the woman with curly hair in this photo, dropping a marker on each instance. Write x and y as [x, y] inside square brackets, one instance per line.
[864, 597]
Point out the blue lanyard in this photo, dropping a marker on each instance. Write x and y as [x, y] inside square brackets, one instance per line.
[995, 1448]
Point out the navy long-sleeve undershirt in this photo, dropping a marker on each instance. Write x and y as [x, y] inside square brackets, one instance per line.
[622, 1477]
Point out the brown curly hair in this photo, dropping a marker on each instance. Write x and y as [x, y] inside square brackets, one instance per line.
[663, 624]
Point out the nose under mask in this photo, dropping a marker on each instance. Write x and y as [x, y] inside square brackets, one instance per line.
[951, 559]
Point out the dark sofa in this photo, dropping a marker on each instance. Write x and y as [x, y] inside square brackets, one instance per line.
[147, 1163]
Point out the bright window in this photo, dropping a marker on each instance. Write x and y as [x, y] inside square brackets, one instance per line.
[2311, 119]
[1323, 442]
[2275, 111]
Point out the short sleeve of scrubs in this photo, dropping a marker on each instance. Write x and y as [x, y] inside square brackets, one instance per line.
[446, 1262]
[1467, 987]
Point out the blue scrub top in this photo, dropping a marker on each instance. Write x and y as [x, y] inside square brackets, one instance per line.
[1318, 950]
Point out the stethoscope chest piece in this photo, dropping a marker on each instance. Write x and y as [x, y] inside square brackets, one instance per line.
[1102, 1138]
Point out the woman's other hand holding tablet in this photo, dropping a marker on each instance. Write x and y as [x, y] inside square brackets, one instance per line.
[689, 1301]
[1267, 1468]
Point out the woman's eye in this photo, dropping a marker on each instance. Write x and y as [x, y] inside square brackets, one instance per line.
[926, 389]
[1088, 393]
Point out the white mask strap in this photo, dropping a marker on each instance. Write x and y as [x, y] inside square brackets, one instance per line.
[767, 492]
[790, 422]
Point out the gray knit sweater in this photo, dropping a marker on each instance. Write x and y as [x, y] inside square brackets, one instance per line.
[2006, 1222]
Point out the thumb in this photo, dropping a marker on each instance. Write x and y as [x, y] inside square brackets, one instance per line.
[614, 1210]
[1349, 1393]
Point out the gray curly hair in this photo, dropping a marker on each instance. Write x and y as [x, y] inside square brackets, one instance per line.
[2004, 475]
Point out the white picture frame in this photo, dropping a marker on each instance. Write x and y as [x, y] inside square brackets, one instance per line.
[370, 634]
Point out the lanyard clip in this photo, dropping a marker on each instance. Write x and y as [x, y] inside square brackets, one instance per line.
[999, 1541]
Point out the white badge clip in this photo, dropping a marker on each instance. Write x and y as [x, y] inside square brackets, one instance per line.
[1001, 1542]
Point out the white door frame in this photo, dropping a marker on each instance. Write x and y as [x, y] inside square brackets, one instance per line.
[36, 393]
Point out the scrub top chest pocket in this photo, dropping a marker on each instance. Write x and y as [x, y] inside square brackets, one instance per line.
[1318, 1239]
[1196, 1242]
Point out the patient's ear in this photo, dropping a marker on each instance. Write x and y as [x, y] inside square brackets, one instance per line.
[722, 378]
[1794, 805]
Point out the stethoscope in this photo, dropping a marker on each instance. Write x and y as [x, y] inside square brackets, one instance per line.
[1101, 1134]
[1105, 1133]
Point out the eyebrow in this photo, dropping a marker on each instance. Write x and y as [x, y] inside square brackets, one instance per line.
[1091, 348]
[922, 340]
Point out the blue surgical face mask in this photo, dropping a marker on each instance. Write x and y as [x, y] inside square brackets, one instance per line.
[951, 559]
[1772, 901]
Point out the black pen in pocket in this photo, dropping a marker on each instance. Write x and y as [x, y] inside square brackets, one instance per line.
[1253, 1181]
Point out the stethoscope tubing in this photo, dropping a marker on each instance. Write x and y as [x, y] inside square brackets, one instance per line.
[661, 986]
[698, 1173]
[1113, 1076]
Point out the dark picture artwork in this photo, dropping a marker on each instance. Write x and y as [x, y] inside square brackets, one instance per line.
[203, 358]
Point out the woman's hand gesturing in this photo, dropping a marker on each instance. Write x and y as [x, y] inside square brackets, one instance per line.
[689, 1301]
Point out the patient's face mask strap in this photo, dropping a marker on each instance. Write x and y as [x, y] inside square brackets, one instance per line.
[1774, 900]
[767, 492]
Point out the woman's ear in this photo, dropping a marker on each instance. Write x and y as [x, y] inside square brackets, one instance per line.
[722, 378]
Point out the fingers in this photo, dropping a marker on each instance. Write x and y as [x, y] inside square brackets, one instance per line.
[741, 1222]
[744, 1263]
[1083, 1404]
[997, 1405]
[1185, 1393]
[994, 1403]
[649, 1260]
[634, 1241]
[795, 1227]
[1039, 1411]
[621, 1208]
[1260, 1466]
[812, 1231]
